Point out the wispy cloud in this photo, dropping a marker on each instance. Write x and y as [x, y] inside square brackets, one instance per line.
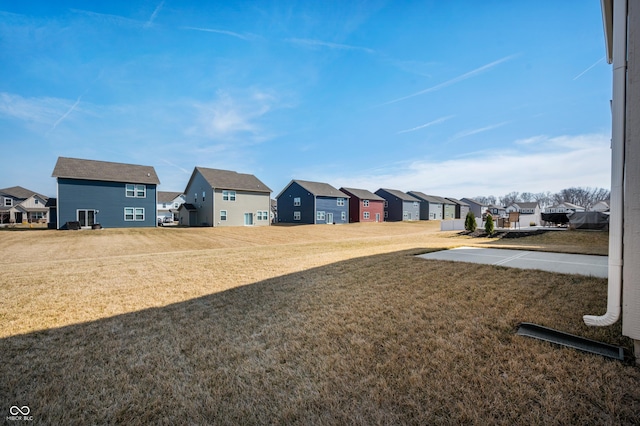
[182, 169]
[34, 110]
[246, 37]
[314, 44]
[111, 19]
[466, 133]
[431, 123]
[587, 70]
[153, 15]
[557, 163]
[455, 80]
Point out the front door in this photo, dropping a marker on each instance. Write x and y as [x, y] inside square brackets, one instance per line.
[377, 217]
[86, 217]
[248, 219]
[329, 218]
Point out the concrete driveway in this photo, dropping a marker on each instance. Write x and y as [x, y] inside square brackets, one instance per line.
[581, 264]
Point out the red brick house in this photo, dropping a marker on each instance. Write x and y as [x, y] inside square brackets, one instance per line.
[364, 206]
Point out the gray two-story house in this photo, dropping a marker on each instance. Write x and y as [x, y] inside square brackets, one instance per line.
[112, 195]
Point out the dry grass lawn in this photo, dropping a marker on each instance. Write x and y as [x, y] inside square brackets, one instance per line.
[297, 325]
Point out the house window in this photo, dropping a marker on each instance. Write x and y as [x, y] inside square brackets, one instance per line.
[195, 197]
[164, 205]
[405, 215]
[223, 215]
[365, 203]
[8, 202]
[176, 205]
[262, 215]
[203, 196]
[415, 204]
[296, 215]
[134, 214]
[365, 215]
[386, 214]
[36, 201]
[36, 216]
[343, 216]
[229, 195]
[320, 216]
[135, 191]
[296, 201]
[341, 201]
[386, 203]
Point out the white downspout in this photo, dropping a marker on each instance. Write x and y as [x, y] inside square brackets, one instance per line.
[617, 169]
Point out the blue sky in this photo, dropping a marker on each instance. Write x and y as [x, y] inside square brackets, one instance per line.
[455, 98]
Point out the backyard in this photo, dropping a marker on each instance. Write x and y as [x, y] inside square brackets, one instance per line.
[305, 324]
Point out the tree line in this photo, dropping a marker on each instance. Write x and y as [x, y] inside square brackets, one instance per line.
[584, 197]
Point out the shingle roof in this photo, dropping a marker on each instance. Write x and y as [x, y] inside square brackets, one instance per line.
[456, 201]
[20, 193]
[428, 198]
[399, 194]
[362, 194]
[226, 179]
[75, 168]
[167, 197]
[528, 205]
[320, 189]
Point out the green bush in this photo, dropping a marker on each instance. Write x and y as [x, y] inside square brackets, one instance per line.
[488, 225]
[470, 222]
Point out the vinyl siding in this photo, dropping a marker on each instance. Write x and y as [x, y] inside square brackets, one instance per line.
[109, 198]
[286, 207]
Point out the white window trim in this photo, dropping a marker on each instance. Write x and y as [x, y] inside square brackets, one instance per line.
[8, 202]
[296, 201]
[340, 201]
[136, 190]
[228, 195]
[366, 215]
[134, 213]
[365, 203]
[296, 216]
[223, 215]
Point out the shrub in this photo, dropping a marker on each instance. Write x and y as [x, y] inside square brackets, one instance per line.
[488, 225]
[470, 222]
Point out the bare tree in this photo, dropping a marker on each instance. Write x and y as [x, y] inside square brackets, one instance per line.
[544, 199]
[527, 197]
[584, 197]
[509, 198]
[485, 200]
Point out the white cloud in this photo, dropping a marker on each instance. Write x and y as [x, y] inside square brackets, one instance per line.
[431, 123]
[43, 110]
[466, 133]
[305, 42]
[553, 164]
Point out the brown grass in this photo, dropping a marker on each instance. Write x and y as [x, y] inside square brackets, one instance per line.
[306, 325]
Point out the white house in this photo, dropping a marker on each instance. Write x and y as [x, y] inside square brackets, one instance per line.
[529, 212]
[564, 208]
[168, 205]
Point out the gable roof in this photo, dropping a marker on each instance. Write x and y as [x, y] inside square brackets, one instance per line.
[20, 193]
[362, 194]
[227, 179]
[399, 194]
[318, 189]
[167, 197]
[527, 205]
[424, 197]
[470, 201]
[456, 201]
[76, 168]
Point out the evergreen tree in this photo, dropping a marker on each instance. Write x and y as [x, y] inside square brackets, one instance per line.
[470, 222]
[488, 225]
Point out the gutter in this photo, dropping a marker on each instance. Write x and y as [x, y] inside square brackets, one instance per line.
[616, 219]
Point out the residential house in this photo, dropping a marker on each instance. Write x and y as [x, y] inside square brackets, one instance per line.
[274, 211]
[530, 212]
[564, 208]
[399, 206]
[113, 195]
[364, 206]
[461, 208]
[215, 197]
[168, 205]
[477, 208]
[497, 211]
[306, 202]
[21, 205]
[431, 208]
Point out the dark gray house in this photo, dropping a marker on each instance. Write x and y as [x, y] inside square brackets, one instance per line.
[114, 195]
[431, 207]
[312, 202]
[399, 206]
[461, 208]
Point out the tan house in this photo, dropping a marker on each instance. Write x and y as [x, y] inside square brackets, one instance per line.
[21, 205]
[216, 197]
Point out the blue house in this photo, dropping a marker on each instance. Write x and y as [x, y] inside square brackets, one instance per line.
[312, 202]
[100, 193]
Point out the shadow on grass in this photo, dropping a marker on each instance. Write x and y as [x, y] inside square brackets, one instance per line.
[381, 339]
